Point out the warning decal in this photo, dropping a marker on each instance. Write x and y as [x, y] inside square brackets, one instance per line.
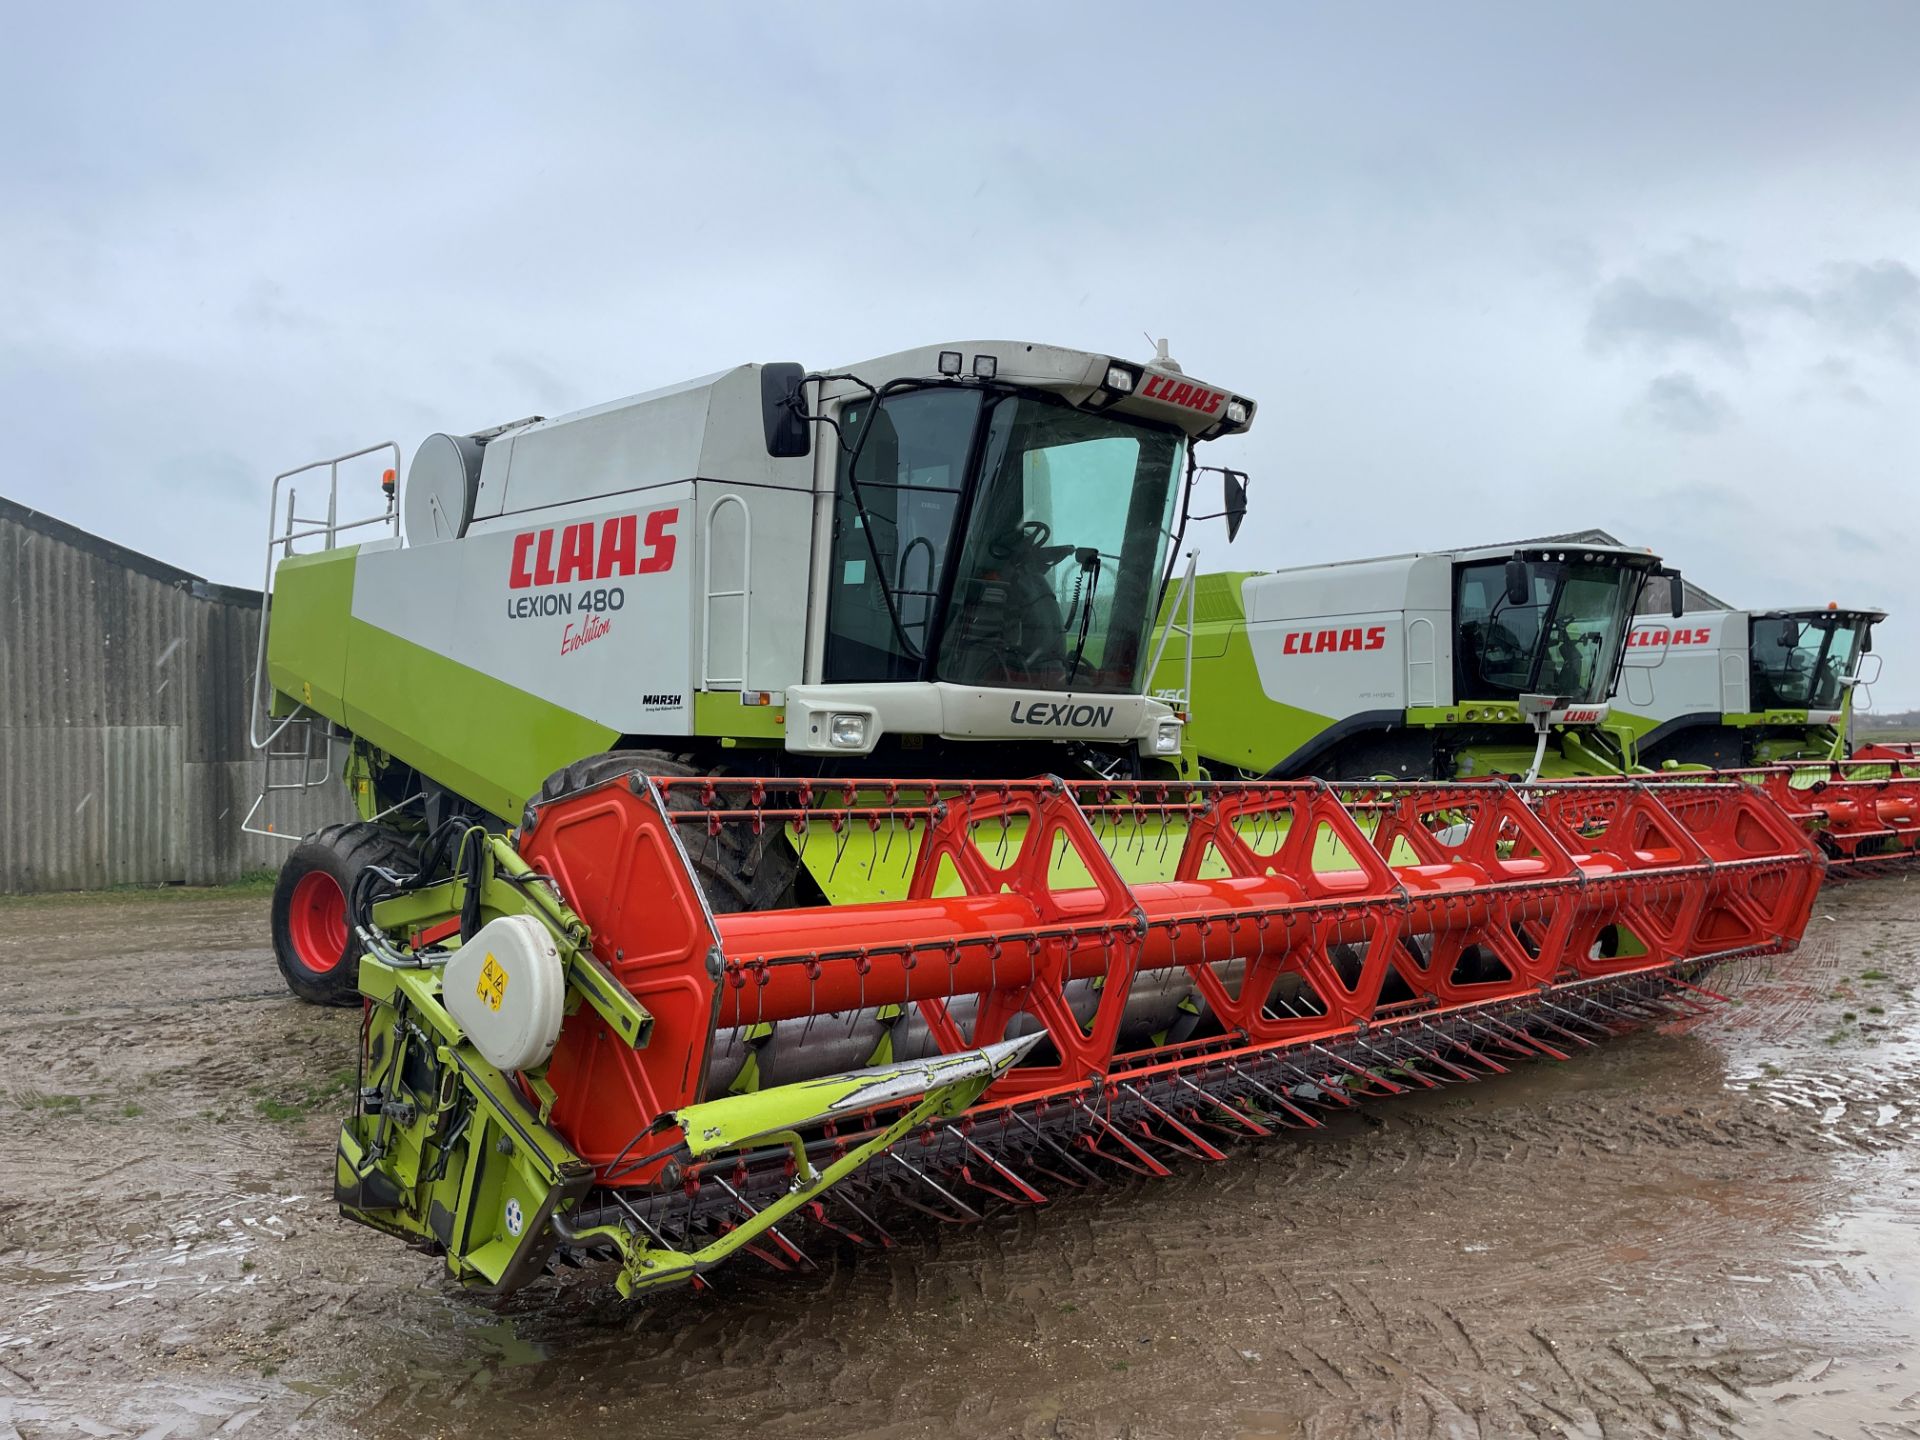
[492, 988]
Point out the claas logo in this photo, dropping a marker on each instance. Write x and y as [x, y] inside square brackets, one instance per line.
[618, 546]
[1181, 393]
[1319, 642]
[1660, 635]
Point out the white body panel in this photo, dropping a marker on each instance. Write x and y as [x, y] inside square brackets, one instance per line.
[617, 648]
[1696, 665]
[703, 428]
[964, 712]
[1372, 635]
[1336, 639]
[625, 557]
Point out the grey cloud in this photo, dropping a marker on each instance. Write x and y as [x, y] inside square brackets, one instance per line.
[545, 390]
[1877, 302]
[1834, 378]
[1672, 302]
[1629, 313]
[1678, 402]
[1848, 538]
[265, 307]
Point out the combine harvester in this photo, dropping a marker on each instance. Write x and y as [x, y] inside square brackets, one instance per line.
[1442, 665]
[1530, 663]
[1767, 695]
[1739, 688]
[694, 902]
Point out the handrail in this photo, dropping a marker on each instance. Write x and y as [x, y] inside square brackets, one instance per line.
[332, 529]
[1186, 592]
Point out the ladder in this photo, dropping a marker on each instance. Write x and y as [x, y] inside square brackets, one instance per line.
[296, 749]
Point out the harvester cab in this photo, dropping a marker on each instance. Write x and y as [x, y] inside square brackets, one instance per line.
[1436, 665]
[1739, 688]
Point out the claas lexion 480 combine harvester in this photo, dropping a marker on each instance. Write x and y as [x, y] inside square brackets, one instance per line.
[705, 899]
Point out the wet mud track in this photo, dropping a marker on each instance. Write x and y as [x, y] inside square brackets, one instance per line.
[1712, 1231]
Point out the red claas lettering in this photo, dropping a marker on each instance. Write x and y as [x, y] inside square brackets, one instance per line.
[534, 564]
[1315, 642]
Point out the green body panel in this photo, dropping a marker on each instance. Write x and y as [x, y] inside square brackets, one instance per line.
[307, 639]
[719, 714]
[869, 866]
[477, 735]
[474, 734]
[1231, 721]
[1637, 725]
[1792, 734]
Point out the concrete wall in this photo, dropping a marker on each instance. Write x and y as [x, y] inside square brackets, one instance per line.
[123, 719]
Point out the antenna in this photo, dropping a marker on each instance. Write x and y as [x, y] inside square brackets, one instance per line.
[1161, 359]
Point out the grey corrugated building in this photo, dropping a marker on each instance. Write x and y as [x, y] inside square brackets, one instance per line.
[123, 718]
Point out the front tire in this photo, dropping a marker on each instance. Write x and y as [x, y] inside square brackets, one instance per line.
[312, 940]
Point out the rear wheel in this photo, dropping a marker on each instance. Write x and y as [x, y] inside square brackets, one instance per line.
[312, 941]
[738, 870]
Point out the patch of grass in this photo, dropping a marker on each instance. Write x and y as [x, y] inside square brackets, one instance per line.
[132, 1111]
[1876, 1009]
[1874, 975]
[51, 1104]
[246, 1267]
[253, 882]
[1848, 1016]
[277, 1110]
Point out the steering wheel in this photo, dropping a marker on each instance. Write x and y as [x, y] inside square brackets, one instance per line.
[1031, 535]
[1029, 544]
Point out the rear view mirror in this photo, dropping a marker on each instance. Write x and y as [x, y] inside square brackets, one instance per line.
[1676, 593]
[783, 410]
[1518, 590]
[1234, 505]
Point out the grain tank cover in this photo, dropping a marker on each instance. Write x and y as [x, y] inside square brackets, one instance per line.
[442, 482]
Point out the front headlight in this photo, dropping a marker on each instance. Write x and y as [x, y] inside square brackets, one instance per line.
[1166, 739]
[849, 732]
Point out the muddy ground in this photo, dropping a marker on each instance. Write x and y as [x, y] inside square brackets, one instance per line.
[1707, 1232]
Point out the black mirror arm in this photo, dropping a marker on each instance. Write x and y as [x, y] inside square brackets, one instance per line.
[798, 403]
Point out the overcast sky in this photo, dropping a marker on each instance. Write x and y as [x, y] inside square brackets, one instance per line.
[1491, 271]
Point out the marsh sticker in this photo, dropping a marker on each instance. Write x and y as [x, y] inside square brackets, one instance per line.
[492, 988]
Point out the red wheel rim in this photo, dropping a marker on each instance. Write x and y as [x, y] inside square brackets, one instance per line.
[317, 921]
